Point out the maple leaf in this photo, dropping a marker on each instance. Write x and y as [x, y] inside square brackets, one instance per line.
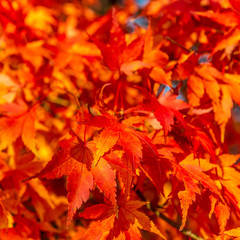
[72, 151]
[42, 200]
[80, 182]
[200, 139]
[8, 89]
[132, 233]
[196, 90]
[115, 133]
[155, 59]
[222, 213]
[79, 151]
[165, 108]
[105, 141]
[105, 178]
[230, 178]
[98, 211]
[115, 158]
[219, 89]
[128, 217]
[128, 214]
[233, 232]
[73, 160]
[228, 43]
[60, 164]
[17, 120]
[99, 230]
[116, 53]
[152, 55]
[154, 167]
[188, 173]
[104, 214]
[153, 148]
[196, 173]
[227, 18]
[188, 196]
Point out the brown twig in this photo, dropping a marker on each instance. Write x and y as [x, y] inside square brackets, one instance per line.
[179, 45]
[185, 231]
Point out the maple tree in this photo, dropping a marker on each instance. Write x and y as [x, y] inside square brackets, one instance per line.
[119, 120]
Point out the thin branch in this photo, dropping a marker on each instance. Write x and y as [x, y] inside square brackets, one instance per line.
[179, 45]
[185, 231]
[184, 48]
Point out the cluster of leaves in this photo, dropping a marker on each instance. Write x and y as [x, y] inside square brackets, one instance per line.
[114, 122]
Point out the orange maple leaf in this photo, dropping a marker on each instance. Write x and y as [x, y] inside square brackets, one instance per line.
[128, 217]
[17, 120]
[80, 182]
